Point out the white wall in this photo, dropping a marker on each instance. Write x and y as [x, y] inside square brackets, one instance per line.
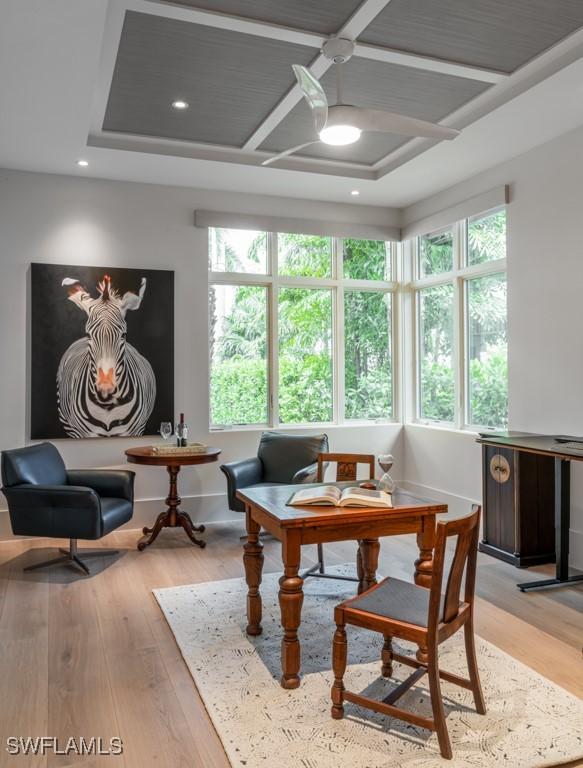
[545, 292]
[68, 220]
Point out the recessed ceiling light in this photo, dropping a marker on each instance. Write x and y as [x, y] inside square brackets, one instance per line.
[355, 192]
[180, 104]
[82, 163]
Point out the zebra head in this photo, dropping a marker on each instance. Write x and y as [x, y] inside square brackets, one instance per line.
[106, 329]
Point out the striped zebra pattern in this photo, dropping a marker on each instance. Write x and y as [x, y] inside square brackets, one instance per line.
[105, 388]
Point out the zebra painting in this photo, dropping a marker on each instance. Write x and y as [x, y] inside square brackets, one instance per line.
[105, 388]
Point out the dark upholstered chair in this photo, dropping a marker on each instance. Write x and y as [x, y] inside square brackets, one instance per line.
[46, 499]
[281, 459]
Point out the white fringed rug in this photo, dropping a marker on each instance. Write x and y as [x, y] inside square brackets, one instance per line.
[530, 722]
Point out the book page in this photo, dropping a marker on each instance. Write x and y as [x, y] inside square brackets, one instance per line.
[365, 497]
[322, 494]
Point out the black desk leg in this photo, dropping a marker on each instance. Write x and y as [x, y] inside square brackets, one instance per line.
[562, 525]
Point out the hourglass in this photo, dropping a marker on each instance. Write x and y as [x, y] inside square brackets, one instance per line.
[386, 483]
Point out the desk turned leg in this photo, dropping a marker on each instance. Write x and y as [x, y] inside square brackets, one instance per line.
[425, 542]
[366, 563]
[253, 562]
[291, 597]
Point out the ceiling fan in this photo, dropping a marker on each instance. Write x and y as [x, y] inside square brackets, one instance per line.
[340, 124]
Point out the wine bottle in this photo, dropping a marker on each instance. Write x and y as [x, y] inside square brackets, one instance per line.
[184, 433]
[179, 431]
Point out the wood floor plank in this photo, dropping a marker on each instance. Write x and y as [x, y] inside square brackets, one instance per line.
[24, 651]
[79, 696]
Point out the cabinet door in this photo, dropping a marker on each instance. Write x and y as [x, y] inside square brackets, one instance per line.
[499, 498]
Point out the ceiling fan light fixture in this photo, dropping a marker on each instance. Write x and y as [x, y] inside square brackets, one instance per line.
[340, 135]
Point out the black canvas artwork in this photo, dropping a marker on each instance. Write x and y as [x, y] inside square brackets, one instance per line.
[102, 351]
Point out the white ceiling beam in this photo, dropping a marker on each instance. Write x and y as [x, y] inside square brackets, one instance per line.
[428, 63]
[563, 53]
[362, 17]
[356, 24]
[240, 24]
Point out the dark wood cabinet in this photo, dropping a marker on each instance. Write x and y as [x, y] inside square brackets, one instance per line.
[518, 501]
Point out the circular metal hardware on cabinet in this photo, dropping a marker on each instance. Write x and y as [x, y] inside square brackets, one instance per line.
[499, 468]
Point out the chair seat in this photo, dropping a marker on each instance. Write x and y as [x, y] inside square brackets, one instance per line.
[396, 599]
[114, 512]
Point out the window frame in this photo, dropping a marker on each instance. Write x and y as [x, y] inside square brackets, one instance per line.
[459, 277]
[337, 284]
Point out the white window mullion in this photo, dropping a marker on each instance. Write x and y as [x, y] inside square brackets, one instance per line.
[273, 332]
[338, 333]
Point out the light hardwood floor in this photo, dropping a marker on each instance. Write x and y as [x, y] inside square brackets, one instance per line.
[94, 656]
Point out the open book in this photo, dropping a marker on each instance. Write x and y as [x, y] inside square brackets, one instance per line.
[329, 495]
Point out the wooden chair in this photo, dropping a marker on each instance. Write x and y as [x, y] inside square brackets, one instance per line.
[346, 470]
[424, 616]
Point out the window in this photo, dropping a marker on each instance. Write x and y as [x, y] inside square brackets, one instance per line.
[367, 354]
[300, 329]
[238, 354]
[460, 306]
[436, 378]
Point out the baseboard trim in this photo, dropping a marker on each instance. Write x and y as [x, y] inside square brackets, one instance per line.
[458, 506]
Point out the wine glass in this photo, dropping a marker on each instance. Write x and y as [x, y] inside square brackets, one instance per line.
[386, 483]
[166, 429]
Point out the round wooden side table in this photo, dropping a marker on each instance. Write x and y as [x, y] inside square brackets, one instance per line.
[173, 516]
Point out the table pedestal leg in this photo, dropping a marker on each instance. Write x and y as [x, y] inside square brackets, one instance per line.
[253, 562]
[291, 597]
[172, 517]
[424, 567]
[367, 563]
[424, 563]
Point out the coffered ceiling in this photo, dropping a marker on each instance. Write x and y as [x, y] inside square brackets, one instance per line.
[95, 79]
[231, 61]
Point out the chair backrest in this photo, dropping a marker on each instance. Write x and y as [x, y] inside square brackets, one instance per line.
[346, 465]
[444, 608]
[39, 464]
[283, 455]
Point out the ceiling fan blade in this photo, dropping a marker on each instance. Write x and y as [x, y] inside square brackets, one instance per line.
[388, 122]
[287, 152]
[314, 94]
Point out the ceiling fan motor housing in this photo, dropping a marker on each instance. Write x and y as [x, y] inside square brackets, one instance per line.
[338, 49]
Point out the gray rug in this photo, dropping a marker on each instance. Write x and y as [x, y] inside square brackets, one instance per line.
[530, 722]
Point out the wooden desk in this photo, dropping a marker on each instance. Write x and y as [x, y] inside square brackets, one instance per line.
[548, 445]
[173, 516]
[266, 508]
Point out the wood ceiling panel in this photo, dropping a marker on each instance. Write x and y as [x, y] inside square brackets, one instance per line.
[375, 85]
[231, 81]
[324, 16]
[495, 34]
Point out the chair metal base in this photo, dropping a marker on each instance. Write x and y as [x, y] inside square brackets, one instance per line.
[318, 571]
[71, 557]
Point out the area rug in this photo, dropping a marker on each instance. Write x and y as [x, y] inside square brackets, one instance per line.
[530, 722]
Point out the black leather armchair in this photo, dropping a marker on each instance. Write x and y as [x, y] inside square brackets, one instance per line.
[46, 499]
[281, 458]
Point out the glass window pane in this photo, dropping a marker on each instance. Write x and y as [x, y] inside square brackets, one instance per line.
[304, 255]
[367, 355]
[436, 253]
[237, 250]
[487, 238]
[238, 352]
[366, 259]
[487, 348]
[305, 355]
[437, 397]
